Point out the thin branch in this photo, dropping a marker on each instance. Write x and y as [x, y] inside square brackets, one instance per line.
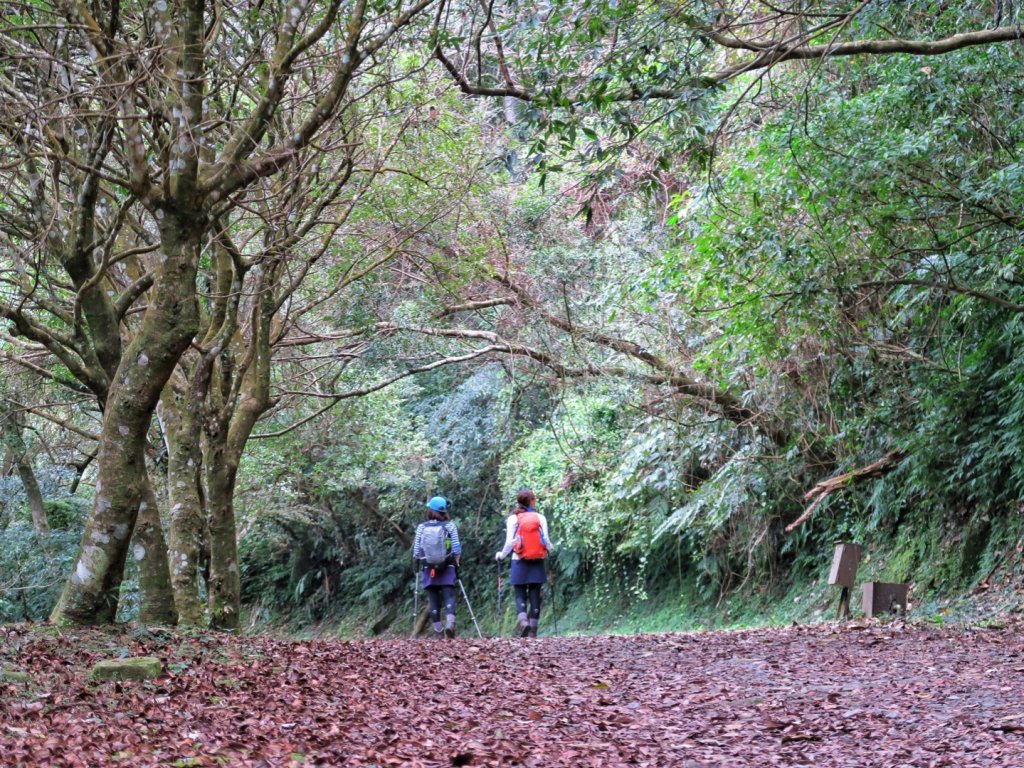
[950, 287]
[48, 416]
[473, 306]
[776, 55]
[337, 398]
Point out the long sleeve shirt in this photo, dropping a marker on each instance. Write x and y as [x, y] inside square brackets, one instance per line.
[511, 535]
[453, 534]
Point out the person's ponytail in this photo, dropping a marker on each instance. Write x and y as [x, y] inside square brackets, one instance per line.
[525, 499]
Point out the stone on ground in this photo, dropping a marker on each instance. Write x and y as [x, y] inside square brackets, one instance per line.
[13, 676]
[142, 668]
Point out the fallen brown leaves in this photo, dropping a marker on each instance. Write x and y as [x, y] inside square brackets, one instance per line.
[883, 696]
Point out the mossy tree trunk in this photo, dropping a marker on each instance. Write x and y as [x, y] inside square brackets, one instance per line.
[169, 324]
[40, 522]
[186, 517]
[239, 397]
[158, 605]
[12, 426]
[225, 580]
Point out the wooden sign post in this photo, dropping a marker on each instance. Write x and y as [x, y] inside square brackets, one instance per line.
[844, 573]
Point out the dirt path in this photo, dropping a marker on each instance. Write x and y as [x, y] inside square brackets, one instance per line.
[883, 696]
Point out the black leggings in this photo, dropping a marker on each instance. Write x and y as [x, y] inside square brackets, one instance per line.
[436, 596]
[529, 592]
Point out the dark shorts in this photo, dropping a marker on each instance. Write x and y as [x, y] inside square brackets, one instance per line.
[528, 572]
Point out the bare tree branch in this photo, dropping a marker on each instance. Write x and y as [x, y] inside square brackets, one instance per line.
[821, 491]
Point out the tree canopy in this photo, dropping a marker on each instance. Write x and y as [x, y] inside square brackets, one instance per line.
[722, 282]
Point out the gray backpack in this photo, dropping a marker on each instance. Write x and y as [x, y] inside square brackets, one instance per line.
[435, 543]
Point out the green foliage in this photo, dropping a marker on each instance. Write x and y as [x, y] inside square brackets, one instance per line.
[32, 571]
[852, 267]
[464, 427]
[968, 445]
[331, 541]
[605, 481]
[68, 513]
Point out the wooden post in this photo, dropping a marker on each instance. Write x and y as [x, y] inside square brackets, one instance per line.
[844, 573]
[421, 623]
[844, 603]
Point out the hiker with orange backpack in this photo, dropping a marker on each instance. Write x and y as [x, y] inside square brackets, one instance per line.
[437, 546]
[526, 537]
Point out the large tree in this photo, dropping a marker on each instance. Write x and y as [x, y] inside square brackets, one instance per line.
[159, 119]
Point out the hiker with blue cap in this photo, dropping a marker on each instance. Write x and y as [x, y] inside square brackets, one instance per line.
[437, 547]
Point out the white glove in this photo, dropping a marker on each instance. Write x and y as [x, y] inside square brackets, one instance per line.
[499, 556]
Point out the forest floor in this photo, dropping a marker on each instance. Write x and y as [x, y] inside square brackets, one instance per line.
[877, 695]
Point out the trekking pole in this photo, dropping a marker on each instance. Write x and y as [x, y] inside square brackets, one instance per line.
[415, 601]
[497, 602]
[470, 607]
[554, 605]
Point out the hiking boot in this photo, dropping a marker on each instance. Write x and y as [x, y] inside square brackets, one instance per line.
[438, 634]
[522, 629]
[531, 631]
[449, 632]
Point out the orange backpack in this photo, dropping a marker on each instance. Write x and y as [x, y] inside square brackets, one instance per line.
[529, 537]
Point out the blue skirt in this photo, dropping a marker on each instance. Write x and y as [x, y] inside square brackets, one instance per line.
[528, 572]
[444, 576]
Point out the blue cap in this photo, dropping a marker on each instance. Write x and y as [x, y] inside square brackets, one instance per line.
[438, 503]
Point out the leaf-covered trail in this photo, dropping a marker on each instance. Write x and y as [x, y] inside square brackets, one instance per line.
[882, 696]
